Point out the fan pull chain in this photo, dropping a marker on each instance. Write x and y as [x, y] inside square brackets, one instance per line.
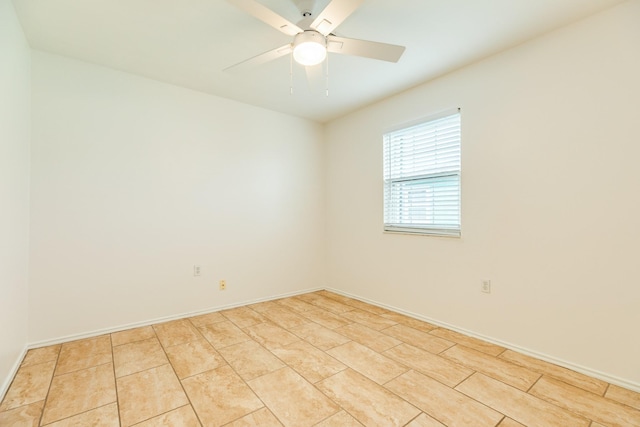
[326, 76]
[291, 73]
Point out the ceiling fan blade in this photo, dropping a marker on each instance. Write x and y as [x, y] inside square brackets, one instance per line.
[260, 59]
[333, 15]
[267, 16]
[368, 49]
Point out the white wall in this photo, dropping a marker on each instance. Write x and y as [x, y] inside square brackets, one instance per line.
[135, 181]
[551, 199]
[14, 190]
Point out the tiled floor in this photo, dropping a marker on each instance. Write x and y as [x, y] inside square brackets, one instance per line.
[318, 359]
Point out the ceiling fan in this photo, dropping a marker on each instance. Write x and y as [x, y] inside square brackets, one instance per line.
[312, 36]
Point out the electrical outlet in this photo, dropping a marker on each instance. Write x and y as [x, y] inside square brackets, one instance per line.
[486, 286]
[223, 285]
[196, 270]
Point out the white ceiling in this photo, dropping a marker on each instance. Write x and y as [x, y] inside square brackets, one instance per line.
[190, 42]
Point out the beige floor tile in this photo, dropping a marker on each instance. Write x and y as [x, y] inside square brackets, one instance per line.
[207, 319]
[424, 420]
[243, 317]
[193, 358]
[263, 306]
[41, 355]
[410, 321]
[250, 360]
[439, 368]
[371, 308]
[23, 416]
[496, 368]
[223, 334]
[370, 320]
[176, 332]
[369, 363]
[470, 342]
[82, 354]
[340, 298]
[319, 336]
[30, 385]
[622, 395]
[370, 403]
[371, 338]
[132, 335]
[595, 424]
[296, 305]
[310, 297]
[571, 377]
[181, 417]
[418, 338]
[260, 418]
[293, 399]
[330, 305]
[104, 416]
[72, 364]
[508, 422]
[234, 399]
[149, 393]
[284, 317]
[138, 356]
[589, 405]
[364, 306]
[86, 347]
[313, 364]
[446, 405]
[516, 404]
[326, 318]
[341, 419]
[79, 391]
[270, 336]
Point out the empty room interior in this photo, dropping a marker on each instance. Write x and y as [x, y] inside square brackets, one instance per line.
[430, 223]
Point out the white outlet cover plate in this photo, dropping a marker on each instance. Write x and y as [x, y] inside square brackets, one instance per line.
[486, 286]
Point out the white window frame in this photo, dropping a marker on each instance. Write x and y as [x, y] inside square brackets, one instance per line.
[438, 180]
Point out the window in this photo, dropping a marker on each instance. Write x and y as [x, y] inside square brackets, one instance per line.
[422, 177]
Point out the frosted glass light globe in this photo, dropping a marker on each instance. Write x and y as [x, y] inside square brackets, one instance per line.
[309, 48]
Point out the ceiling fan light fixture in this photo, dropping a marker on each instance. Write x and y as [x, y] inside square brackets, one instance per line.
[309, 48]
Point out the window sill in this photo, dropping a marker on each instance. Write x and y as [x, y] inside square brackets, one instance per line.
[424, 232]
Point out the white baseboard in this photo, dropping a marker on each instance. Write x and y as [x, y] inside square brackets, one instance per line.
[97, 332]
[630, 385]
[12, 373]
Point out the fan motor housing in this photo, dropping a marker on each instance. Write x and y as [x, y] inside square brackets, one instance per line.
[309, 36]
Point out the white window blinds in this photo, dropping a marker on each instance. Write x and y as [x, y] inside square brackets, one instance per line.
[422, 178]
